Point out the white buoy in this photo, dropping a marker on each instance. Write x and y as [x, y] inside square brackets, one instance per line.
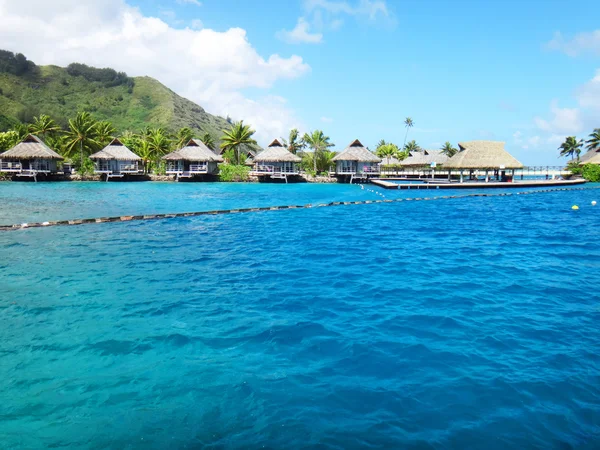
[593, 202]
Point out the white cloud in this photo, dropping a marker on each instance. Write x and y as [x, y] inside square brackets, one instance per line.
[564, 120]
[189, 2]
[368, 8]
[197, 24]
[207, 66]
[300, 34]
[588, 95]
[326, 119]
[586, 42]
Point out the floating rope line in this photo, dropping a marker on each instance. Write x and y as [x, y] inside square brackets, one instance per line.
[267, 208]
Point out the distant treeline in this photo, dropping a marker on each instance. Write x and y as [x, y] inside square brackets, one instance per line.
[109, 77]
[16, 64]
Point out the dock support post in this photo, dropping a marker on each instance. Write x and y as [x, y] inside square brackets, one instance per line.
[461, 176]
[487, 176]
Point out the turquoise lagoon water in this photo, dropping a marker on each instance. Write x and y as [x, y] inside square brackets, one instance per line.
[463, 323]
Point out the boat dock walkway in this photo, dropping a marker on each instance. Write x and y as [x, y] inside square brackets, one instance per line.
[387, 184]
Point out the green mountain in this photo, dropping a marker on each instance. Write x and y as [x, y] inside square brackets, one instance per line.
[27, 90]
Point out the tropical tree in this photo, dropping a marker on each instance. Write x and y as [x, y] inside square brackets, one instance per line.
[295, 144]
[387, 151]
[448, 150]
[21, 130]
[236, 138]
[8, 140]
[159, 142]
[408, 123]
[571, 147]
[412, 146]
[82, 136]
[144, 151]
[593, 143]
[325, 161]
[183, 136]
[58, 142]
[104, 133]
[43, 125]
[318, 142]
[208, 140]
[381, 143]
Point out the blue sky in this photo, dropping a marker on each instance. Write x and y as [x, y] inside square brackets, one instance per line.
[521, 72]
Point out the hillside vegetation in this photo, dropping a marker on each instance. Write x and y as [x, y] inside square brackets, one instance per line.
[27, 90]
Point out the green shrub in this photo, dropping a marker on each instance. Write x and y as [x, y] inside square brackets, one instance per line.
[591, 172]
[230, 172]
[575, 168]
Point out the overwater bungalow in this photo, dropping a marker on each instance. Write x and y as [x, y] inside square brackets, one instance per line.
[424, 159]
[276, 162]
[195, 159]
[117, 161]
[483, 156]
[356, 162]
[30, 158]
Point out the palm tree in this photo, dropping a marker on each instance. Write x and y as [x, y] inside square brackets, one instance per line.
[412, 146]
[387, 151]
[208, 140]
[183, 136]
[318, 142]
[238, 136]
[593, 143]
[294, 144]
[325, 161]
[571, 147]
[104, 133]
[144, 151]
[408, 122]
[448, 150]
[82, 135]
[57, 142]
[43, 125]
[21, 131]
[381, 143]
[158, 141]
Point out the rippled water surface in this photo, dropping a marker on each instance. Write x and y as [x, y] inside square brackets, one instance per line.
[459, 323]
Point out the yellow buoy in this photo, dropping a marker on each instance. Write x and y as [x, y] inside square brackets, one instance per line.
[575, 207]
[593, 202]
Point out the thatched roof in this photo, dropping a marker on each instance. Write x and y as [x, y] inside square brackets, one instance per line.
[195, 150]
[31, 147]
[482, 155]
[356, 152]
[276, 152]
[116, 150]
[424, 158]
[590, 157]
[390, 161]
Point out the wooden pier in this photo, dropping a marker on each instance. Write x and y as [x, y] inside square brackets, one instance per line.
[433, 184]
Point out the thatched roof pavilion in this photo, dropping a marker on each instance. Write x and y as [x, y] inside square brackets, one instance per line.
[31, 147]
[276, 152]
[357, 152]
[195, 150]
[590, 157]
[116, 150]
[390, 161]
[483, 155]
[425, 159]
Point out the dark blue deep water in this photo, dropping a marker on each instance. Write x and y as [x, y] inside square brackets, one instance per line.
[455, 324]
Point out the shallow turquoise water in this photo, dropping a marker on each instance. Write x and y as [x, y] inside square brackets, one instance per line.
[464, 323]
